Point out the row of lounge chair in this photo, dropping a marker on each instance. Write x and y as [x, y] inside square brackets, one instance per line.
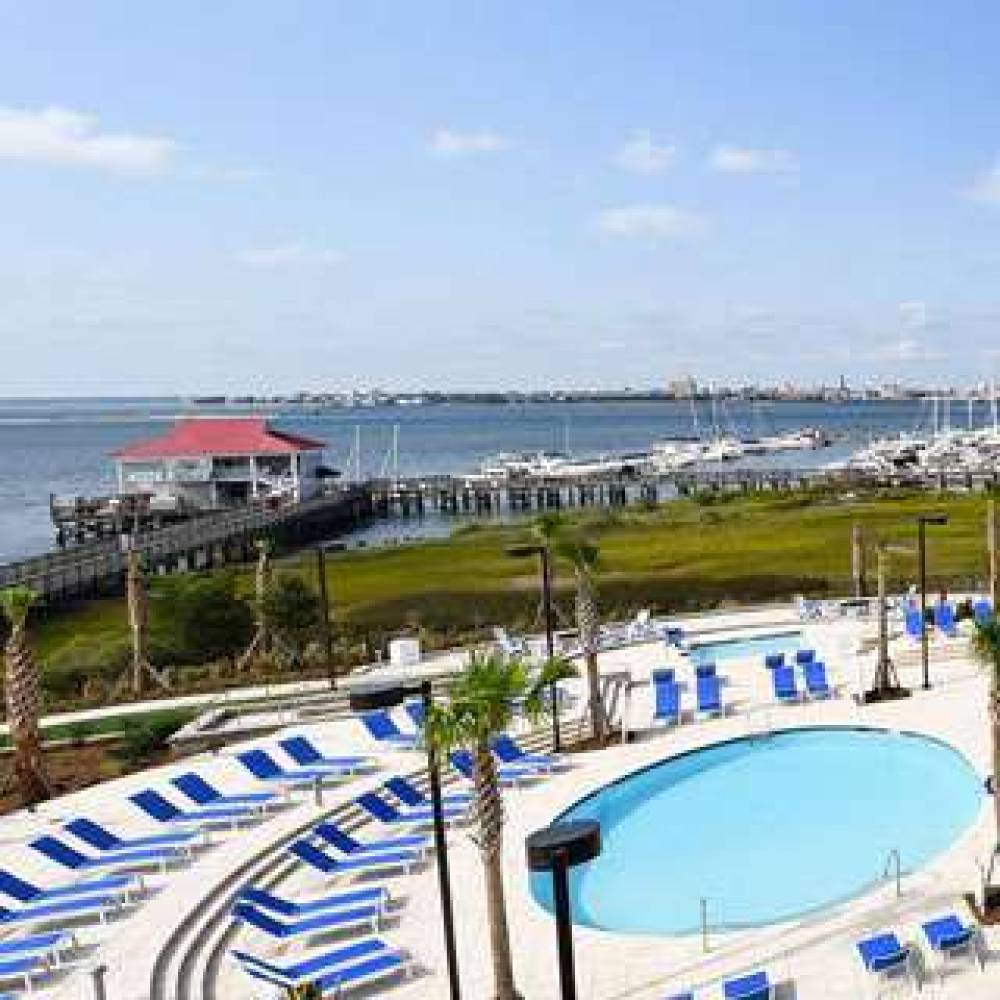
[667, 694]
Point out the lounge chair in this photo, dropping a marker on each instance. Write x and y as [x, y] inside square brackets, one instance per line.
[325, 922]
[374, 896]
[265, 768]
[507, 645]
[884, 957]
[783, 683]
[60, 911]
[704, 669]
[708, 695]
[982, 610]
[948, 937]
[68, 857]
[509, 774]
[509, 751]
[331, 972]
[755, 986]
[153, 804]
[803, 656]
[772, 660]
[387, 813]
[667, 697]
[914, 623]
[124, 885]
[201, 793]
[674, 636]
[348, 844]
[306, 754]
[101, 838]
[415, 710]
[410, 795]
[817, 685]
[325, 864]
[944, 618]
[22, 959]
[381, 727]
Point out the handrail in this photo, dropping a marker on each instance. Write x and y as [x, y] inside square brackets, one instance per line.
[894, 856]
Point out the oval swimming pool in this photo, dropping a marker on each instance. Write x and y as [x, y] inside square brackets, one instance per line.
[766, 828]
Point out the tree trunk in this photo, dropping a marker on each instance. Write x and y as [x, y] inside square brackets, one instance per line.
[588, 624]
[23, 709]
[138, 619]
[995, 730]
[489, 838]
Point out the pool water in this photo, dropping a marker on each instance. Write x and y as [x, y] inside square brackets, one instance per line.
[766, 829]
[758, 647]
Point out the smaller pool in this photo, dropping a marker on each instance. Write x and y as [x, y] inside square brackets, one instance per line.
[759, 646]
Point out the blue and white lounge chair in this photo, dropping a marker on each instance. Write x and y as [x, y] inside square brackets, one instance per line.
[708, 696]
[666, 697]
[100, 837]
[948, 937]
[884, 957]
[415, 710]
[804, 656]
[755, 986]
[410, 795]
[153, 804]
[331, 972]
[60, 911]
[914, 623]
[982, 610]
[508, 774]
[324, 922]
[201, 793]
[783, 683]
[376, 895]
[387, 813]
[68, 857]
[508, 751]
[124, 885]
[348, 844]
[306, 754]
[817, 685]
[381, 727]
[772, 660]
[944, 618]
[325, 864]
[265, 768]
[24, 959]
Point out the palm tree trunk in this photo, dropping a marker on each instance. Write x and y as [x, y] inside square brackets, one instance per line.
[588, 624]
[138, 619]
[995, 731]
[489, 839]
[23, 698]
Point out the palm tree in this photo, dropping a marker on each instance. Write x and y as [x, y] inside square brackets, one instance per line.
[986, 646]
[23, 696]
[480, 706]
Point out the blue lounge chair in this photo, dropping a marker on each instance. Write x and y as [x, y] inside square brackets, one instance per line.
[201, 793]
[461, 760]
[125, 885]
[410, 795]
[817, 685]
[674, 636]
[382, 728]
[883, 956]
[508, 751]
[152, 803]
[709, 696]
[704, 670]
[325, 922]
[24, 959]
[68, 857]
[337, 837]
[914, 623]
[982, 610]
[415, 710]
[305, 753]
[264, 900]
[755, 986]
[60, 911]
[331, 972]
[322, 862]
[387, 813]
[265, 768]
[667, 697]
[944, 618]
[101, 838]
[783, 683]
[804, 656]
[773, 660]
[948, 936]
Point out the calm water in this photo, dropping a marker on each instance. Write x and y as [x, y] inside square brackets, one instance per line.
[62, 446]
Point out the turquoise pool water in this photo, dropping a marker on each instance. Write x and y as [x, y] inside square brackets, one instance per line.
[759, 647]
[766, 829]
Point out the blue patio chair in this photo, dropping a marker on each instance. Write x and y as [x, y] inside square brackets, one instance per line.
[704, 670]
[153, 804]
[264, 900]
[509, 774]
[817, 685]
[306, 754]
[385, 812]
[948, 937]
[772, 660]
[101, 838]
[324, 922]
[68, 857]
[509, 751]
[381, 727]
[914, 623]
[265, 768]
[944, 618]
[347, 844]
[804, 656]
[784, 685]
[755, 986]
[410, 795]
[201, 793]
[667, 697]
[415, 710]
[708, 696]
[982, 611]
[25, 959]
[60, 911]
[23, 891]
[323, 863]
[883, 956]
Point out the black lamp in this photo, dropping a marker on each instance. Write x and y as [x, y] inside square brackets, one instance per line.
[922, 521]
[558, 848]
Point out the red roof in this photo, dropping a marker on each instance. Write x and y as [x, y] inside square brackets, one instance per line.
[194, 437]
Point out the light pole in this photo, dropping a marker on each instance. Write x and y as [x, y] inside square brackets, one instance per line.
[366, 699]
[558, 848]
[324, 599]
[922, 521]
[545, 564]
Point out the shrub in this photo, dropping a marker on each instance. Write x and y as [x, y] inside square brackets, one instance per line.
[144, 739]
[294, 612]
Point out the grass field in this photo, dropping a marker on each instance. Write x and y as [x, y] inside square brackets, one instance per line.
[682, 555]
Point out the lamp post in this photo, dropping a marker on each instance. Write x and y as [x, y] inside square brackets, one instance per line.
[558, 848]
[325, 624]
[545, 564]
[922, 521]
[364, 699]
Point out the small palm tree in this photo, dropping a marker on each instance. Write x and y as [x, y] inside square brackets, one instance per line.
[986, 646]
[481, 706]
[23, 696]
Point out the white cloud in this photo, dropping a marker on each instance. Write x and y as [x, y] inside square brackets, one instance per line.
[985, 187]
[640, 155]
[448, 142]
[69, 138]
[661, 221]
[282, 254]
[740, 160]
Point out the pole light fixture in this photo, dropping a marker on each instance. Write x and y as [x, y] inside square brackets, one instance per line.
[373, 698]
[556, 849]
[922, 521]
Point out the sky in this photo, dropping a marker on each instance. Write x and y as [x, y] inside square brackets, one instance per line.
[263, 196]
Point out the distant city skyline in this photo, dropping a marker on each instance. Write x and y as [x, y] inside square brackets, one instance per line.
[259, 198]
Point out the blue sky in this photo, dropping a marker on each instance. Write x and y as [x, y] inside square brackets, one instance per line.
[264, 196]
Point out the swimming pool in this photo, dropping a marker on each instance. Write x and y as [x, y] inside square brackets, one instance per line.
[757, 646]
[766, 829]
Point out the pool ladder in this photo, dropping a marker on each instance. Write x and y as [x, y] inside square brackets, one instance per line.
[894, 859]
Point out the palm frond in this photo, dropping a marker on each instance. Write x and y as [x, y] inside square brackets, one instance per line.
[986, 645]
[16, 602]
